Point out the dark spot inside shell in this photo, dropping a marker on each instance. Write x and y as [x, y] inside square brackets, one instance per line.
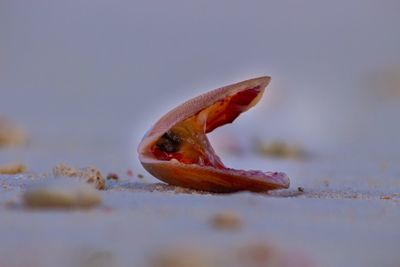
[169, 142]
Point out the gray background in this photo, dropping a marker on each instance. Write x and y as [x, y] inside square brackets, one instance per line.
[106, 70]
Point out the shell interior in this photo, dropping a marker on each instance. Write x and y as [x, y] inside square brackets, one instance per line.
[187, 142]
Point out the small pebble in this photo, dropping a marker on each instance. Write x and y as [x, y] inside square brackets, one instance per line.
[112, 176]
[90, 174]
[300, 189]
[11, 135]
[226, 221]
[181, 257]
[12, 168]
[254, 254]
[61, 193]
[140, 176]
[266, 254]
[258, 254]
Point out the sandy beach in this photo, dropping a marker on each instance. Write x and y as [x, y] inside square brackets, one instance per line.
[83, 82]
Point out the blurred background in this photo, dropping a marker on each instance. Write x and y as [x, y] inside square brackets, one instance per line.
[90, 77]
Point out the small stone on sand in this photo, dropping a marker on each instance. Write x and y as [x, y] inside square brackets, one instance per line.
[254, 254]
[11, 134]
[12, 168]
[264, 254]
[226, 221]
[258, 254]
[181, 257]
[90, 174]
[61, 193]
[112, 176]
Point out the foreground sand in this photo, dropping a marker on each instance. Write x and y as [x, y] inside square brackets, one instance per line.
[345, 219]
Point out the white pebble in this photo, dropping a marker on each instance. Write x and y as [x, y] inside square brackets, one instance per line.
[61, 193]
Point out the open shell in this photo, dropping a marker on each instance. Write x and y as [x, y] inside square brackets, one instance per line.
[176, 149]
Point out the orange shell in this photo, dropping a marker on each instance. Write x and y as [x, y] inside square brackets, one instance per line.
[208, 178]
